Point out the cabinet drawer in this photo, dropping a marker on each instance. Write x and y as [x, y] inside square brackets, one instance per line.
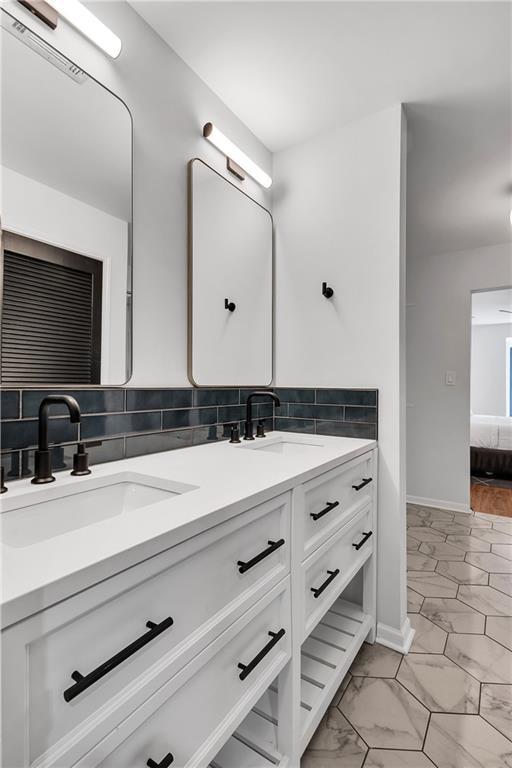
[331, 499]
[129, 635]
[194, 713]
[328, 571]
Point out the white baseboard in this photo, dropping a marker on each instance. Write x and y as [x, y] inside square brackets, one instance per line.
[451, 506]
[398, 640]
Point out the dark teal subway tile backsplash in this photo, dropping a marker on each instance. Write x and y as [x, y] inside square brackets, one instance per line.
[124, 422]
[90, 401]
[189, 417]
[23, 433]
[93, 427]
[306, 411]
[9, 404]
[157, 399]
[347, 396]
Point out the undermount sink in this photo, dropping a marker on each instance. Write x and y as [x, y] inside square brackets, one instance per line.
[290, 446]
[52, 511]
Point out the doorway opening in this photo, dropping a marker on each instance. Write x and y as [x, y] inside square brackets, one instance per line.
[491, 402]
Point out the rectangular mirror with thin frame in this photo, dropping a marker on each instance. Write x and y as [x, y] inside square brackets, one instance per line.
[230, 283]
[66, 212]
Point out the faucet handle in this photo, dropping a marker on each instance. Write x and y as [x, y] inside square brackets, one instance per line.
[81, 461]
[260, 428]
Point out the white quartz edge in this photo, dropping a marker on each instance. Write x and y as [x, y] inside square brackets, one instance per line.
[230, 479]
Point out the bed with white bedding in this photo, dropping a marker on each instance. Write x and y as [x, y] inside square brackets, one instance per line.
[491, 445]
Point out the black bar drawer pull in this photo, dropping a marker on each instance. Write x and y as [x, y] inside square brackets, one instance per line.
[365, 538]
[82, 682]
[243, 567]
[165, 762]
[248, 668]
[330, 505]
[317, 591]
[366, 480]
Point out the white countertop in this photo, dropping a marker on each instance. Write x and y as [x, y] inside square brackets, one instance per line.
[228, 479]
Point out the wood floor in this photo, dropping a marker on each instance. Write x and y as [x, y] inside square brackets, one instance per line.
[491, 500]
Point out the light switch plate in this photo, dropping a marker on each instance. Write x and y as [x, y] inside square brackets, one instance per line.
[450, 378]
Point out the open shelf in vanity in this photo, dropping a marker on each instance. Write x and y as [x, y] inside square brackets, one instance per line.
[326, 656]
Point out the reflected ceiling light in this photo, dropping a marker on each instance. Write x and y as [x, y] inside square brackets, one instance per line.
[88, 24]
[234, 153]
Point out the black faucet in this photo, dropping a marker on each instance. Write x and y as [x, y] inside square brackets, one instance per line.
[43, 456]
[248, 433]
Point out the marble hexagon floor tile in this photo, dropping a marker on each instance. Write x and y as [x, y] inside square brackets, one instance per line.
[417, 522]
[487, 600]
[481, 656]
[492, 536]
[502, 581]
[334, 743]
[468, 543]
[449, 528]
[452, 615]
[503, 550]
[500, 629]
[426, 534]
[462, 573]
[419, 562]
[463, 519]
[496, 707]
[376, 661]
[384, 714]
[341, 690]
[439, 684]
[441, 551]
[505, 526]
[431, 584]
[489, 562]
[480, 522]
[428, 637]
[414, 601]
[396, 758]
[466, 741]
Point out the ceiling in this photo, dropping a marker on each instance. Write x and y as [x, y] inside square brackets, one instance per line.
[72, 136]
[492, 307]
[291, 70]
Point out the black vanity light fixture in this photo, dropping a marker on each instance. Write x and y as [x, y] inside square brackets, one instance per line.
[327, 291]
[43, 11]
[237, 161]
[79, 17]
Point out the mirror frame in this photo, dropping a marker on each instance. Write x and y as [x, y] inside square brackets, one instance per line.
[129, 258]
[190, 281]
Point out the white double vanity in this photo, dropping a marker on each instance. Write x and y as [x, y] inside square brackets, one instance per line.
[190, 608]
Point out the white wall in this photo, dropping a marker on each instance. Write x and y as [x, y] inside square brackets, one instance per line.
[338, 207]
[169, 105]
[488, 368]
[37, 211]
[439, 340]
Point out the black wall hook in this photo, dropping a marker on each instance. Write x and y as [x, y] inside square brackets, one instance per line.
[327, 291]
[229, 305]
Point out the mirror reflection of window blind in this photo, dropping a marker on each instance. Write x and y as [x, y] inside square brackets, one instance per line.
[48, 334]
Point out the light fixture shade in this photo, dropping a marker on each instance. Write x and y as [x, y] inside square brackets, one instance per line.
[89, 25]
[229, 149]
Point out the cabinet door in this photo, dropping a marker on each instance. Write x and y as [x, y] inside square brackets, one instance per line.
[230, 291]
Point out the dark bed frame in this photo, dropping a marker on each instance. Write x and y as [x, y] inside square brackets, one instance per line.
[491, 461]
